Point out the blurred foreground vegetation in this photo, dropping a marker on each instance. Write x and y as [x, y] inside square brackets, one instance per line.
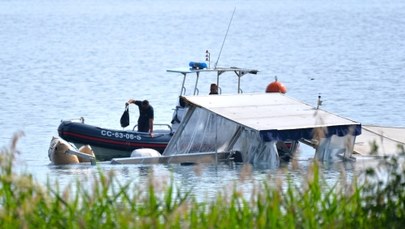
[377, 201]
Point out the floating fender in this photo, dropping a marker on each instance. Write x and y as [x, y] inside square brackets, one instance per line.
[197, 65]
[87, 150]
[276, 87]
[145, 152]
[57, 155]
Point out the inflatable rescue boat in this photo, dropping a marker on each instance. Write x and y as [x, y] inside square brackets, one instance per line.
[112, 143]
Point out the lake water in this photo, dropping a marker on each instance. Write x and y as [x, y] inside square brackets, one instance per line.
[67, 59]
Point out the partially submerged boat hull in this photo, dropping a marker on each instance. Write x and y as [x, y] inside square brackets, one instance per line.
[57, 152]
[61, 152]
[380, 141]
[109, 143]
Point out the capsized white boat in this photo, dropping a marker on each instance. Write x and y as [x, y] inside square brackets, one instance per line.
[249, 127]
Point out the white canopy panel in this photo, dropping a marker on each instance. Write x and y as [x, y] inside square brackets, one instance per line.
[273, 112]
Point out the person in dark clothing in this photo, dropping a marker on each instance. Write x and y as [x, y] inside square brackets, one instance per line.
[145, 120]
[213, 89]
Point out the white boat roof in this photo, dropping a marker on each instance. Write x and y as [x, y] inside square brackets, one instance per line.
[274, 114]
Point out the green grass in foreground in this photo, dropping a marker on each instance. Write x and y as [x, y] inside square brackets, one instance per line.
[373, 204]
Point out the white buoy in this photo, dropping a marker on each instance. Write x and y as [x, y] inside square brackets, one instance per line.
[145, 152]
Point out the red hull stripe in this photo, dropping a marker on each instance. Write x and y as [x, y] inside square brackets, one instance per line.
[103, 140]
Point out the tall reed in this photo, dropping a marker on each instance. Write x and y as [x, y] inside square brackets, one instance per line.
[375, 202]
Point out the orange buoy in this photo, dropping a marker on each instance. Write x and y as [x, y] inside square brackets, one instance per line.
[276, 87]
[86, 149]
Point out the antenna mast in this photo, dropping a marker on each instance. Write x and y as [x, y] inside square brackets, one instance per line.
[226, 34]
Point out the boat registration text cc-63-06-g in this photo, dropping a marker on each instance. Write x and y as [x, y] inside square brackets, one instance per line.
[110, 133]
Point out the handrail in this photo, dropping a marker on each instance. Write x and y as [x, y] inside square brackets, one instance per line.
[158, 124]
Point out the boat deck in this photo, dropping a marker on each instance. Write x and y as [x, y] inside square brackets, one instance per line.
[387, 140]
[206, 157]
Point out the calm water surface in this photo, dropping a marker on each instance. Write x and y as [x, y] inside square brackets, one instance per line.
[66, 59]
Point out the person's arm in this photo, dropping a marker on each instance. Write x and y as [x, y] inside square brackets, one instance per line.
[129, 102]
[133, 101]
